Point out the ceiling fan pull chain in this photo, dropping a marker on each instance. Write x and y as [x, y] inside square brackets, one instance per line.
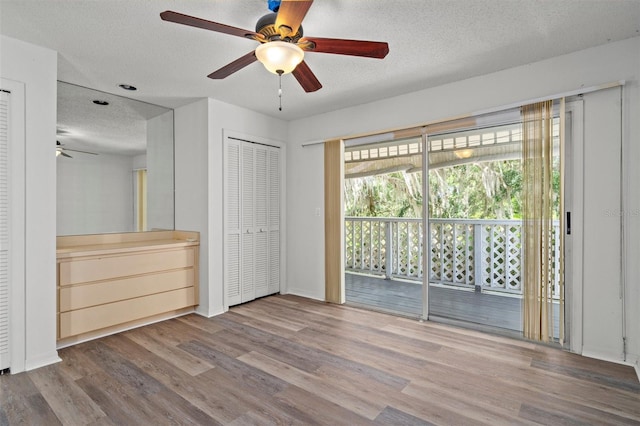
[280, 88]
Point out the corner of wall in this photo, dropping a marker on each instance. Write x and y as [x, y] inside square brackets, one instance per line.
[42, 360]
[307, 294]
[634, 361]
[210, 313]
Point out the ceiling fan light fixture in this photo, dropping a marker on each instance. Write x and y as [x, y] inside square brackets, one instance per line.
[279, 57]
[463, 153]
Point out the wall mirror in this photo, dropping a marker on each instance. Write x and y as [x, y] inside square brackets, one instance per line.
[115, 169]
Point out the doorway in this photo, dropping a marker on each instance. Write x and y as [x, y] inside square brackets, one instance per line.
[384, 226]
[469, 263]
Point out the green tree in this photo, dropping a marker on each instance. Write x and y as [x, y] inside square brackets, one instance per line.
[479, 190]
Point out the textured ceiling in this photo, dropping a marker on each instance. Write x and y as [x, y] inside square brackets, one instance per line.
[118, 128]
[105, 43]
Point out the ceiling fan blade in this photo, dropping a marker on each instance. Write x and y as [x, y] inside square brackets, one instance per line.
[77, 150]
[290, 15]
[192, 21]
[369, 49]
[64, 154]
[234, 66]
[306, 78]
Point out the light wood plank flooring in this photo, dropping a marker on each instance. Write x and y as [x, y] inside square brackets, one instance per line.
[290, 360]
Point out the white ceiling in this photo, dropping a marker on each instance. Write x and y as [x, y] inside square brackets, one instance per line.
[105, 43]
[119, 128]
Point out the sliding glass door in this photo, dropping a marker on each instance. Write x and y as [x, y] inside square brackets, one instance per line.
[384, 226]
[434, 223]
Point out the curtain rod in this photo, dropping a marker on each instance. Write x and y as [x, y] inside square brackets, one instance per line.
[575, 92]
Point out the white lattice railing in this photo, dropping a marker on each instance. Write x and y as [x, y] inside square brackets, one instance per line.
[464, 252]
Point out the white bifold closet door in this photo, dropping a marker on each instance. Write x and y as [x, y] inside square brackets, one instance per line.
[252, 221]
[4, 231]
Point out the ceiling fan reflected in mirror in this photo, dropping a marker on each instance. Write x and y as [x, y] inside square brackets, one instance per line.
[282, 44]
[60, 150]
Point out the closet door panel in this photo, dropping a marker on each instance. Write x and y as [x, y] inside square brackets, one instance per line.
[232, 253]
[261, 264]
[274, 262]
[247, 283]
[248, 222]
[274, 221]
[274, 188]
[261, 187]
[252, 221]
[4, 232]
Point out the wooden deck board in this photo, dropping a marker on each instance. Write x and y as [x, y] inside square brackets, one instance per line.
[405, 298]
[328, 365]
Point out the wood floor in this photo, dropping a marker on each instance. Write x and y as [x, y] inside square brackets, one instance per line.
[289, 360]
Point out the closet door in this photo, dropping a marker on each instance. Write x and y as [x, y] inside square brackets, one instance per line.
[261, 222]
[273, 228]
[248, 223]
[232, 202]
[252, 221]
[4, 231]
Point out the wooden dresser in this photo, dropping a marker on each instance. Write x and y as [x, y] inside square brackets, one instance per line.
[112, 282]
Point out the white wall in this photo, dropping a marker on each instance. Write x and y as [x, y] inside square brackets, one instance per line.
[615, 61]
[35, 68]
[601, 251]
[140, 162]
[94, 194]
[191, 188]
[199, 181]
[160, 209]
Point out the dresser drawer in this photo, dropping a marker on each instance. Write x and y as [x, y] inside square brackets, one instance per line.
[116, 266]
[97, 317]
[86, 295]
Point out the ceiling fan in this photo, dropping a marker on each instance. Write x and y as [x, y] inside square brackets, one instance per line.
[282, 44]
[60, 150]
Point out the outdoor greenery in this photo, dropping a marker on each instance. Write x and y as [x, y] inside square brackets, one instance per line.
[480, 190]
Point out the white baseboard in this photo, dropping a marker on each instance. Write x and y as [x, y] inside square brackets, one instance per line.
[608, 357]
[635, 361]
[303, 293]
[41, 361]
[210, 314]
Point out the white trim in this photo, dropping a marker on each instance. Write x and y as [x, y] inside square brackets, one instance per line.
[375, 137]
[210, 315]
[426, 230]
[574, 249]
[609, 357]
[623, 225]
[41, 361]
[17, 296]
[304, 293]
[567, 94]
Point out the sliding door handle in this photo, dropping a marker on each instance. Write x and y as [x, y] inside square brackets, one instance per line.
[568, 225]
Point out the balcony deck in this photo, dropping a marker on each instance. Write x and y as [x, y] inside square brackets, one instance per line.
[405, 298]
[464, 255]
